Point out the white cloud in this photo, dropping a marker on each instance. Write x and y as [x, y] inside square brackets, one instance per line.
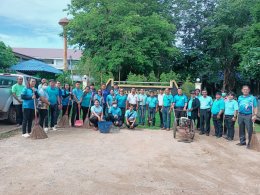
[40, 17]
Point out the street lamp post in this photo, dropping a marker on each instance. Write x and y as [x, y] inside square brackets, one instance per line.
[198, 84]
[64, 22]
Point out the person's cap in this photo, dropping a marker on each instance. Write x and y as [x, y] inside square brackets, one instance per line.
[219, 93]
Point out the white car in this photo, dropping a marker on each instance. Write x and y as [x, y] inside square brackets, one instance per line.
[7, 110]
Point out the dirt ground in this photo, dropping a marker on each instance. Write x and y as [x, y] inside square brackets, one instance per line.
[78, 161]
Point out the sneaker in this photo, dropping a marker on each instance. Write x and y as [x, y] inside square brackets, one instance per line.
[168, 129]
[46, 130]
[54, 128]
[239, 144]
[23, 135]
[26, 135]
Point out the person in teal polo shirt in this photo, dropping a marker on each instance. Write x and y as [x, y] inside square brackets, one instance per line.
[204, 113]
[55, 103]
[66, 99]
[86, 102]
[179, 104]
[121, 102]
[111, 97]
[115, 114]
[130, 117]
[152, 107]
[116, 89]
[166, 109]
[142, 98]
[231, 111]
[217, 111]
[29, 95]
[77, 97]
[247, 108]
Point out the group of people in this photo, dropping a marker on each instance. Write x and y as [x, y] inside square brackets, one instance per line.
[51, 100]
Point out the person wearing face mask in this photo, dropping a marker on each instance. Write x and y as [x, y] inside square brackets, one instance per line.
[43, 105]
[115, 114]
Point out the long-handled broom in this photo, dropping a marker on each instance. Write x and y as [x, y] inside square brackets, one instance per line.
[37, 131]
[64, 121]
[254, 145]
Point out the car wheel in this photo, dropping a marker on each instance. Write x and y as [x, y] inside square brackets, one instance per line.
[12, 115]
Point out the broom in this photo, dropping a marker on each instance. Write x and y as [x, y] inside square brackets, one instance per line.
[64, 121]
[37, 131]
[254, 142]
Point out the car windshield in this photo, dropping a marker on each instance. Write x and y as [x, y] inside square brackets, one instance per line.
[7, 81]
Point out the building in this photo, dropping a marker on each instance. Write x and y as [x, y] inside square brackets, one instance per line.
[53, 57]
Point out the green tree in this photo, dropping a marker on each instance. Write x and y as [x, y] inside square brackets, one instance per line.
[124, 35]
[7, 57]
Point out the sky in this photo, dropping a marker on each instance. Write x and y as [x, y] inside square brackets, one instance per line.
[32, 23]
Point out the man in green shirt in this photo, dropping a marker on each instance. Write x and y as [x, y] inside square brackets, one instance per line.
[17, 101]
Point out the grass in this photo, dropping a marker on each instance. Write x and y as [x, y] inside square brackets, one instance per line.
[157, 124]
[8, 134]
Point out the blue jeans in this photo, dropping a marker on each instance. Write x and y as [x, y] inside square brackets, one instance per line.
[166, 117]
[151, 115]
[141, 113]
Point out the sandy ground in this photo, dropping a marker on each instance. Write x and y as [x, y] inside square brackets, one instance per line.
[78, 161]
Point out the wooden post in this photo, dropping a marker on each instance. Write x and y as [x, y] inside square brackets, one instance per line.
[65, 58]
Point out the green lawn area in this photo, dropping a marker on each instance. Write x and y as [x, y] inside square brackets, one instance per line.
[157, 124]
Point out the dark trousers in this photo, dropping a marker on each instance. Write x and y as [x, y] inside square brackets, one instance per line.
[178, 114]
[151, 116]
[104, 106]
[43, 113]
[94, 120]
[130, 123]
[64, 109]
[57, 116]
[218, 125]
[53, 114]
[86, 112]
[230, 124]
[27, 120]
[161, 116]
[19, 114]
[205, 120]
[114, 120]
[75, 113]
[198, 121]
[245, 121]
[123, 114]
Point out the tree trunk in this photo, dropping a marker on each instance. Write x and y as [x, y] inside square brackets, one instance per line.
[229, 78]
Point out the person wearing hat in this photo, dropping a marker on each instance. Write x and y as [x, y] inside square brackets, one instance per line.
[217, 111]
[115, 114]
[193, 107]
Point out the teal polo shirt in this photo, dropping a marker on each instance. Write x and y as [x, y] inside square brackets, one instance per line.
[190, 105]
[97, 109]
[131, 115]
[121, 100]
[246, 104]
[115, 111]
[152, 102]
[99, 98]
[180, 100]
[205, 103]
[230, 107]
[167, 100]
[78, 93]
[86, 99]
[110, 99]
[217, 106]
[28, 92]
[53, 93]
[142, 98]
